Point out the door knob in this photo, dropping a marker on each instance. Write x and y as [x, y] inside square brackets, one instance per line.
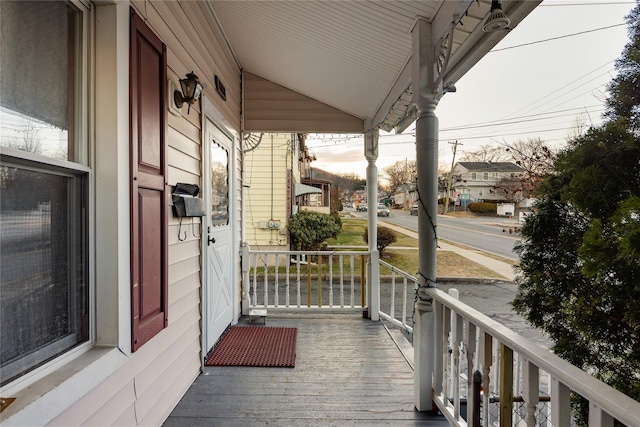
[210, 240]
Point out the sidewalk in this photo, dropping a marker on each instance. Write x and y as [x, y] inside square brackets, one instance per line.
[502, 268]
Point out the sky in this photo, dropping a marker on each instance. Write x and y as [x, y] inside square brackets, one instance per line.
[539, 90]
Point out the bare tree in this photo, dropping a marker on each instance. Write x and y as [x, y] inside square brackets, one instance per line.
[401, 172]
[29, 139]
[535, 157]
[486, 153]
[512, 189]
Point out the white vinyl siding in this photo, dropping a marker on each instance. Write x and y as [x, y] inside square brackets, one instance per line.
[149, 385]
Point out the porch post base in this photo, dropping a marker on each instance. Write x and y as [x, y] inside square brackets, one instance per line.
[423, 356]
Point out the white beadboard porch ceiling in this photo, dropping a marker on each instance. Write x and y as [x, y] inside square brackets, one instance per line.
[353, 54]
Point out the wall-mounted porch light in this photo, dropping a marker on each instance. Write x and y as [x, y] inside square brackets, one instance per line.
[191, 90]
[497, 19]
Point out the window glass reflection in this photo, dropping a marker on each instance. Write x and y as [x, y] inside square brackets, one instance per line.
[219, 185]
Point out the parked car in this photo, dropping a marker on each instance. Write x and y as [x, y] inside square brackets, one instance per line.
[362, 207]
[414, 209]
[383, 210]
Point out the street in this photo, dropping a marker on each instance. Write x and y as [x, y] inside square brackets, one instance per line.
[487, 234]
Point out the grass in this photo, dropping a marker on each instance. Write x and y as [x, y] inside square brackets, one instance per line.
[403, 254]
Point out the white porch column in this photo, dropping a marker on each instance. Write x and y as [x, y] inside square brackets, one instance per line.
[373, 276]
[426, 95]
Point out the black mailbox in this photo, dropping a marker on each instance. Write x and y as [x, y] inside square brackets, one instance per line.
[185, 202]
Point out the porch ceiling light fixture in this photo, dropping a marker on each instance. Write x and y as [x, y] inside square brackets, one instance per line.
[191, 90]
[497, 19]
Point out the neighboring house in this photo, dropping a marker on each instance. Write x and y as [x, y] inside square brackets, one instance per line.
[359, 196]
[277, 186]
[405, 196]
[114, 289]
[318, 200]
[476, 181]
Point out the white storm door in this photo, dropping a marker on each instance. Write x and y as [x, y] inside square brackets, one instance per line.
[217, 234]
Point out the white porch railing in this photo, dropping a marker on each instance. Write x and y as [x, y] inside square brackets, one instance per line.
[516, 372]
[522, 384]
[305, 279]
[399, 296]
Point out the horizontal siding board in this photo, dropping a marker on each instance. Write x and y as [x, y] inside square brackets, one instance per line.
[184, 250]
[184, 307]
[188, 47]
[180, 160]
[184, 286]
[182, 269]
[303, 126]
[176, 175]
[185, 232]
[146, 380]
[186, 371]
[128, 418]
[274, 108]
[124, 400]
[296, 116]
[184, 144]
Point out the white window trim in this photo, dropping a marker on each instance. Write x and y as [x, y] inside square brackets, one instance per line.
[41, 396]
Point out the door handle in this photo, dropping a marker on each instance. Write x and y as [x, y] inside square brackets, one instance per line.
[210, 240]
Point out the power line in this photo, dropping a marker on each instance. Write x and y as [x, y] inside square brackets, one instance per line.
[611, 3]
[558, 38]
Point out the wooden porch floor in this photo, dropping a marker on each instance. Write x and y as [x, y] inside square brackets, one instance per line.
[348, 371]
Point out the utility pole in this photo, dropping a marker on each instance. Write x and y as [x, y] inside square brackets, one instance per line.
[453, 162]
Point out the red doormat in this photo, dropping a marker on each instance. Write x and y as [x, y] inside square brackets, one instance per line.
[255, 346]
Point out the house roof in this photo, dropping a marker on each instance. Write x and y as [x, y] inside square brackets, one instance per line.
[355, 56]
[490, 166]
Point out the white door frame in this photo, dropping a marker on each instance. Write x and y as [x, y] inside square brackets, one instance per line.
[211, 113]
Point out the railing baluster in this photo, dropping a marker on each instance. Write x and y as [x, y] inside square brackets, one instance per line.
[276, 285]
[438, 348]
[342, 281]
[392, 310]
[266, 280]
[287, 280]
[319, 270]
[486, 357]
[298, 280]
[456, 337]
[253, 266]
[362, 284]
[330, 280]
[309, 281]
[560, 404]
[506, 386]
[599, 418]
[447, 353]
[471, 350]
[404, 301]
[352, 263]
[530, 392]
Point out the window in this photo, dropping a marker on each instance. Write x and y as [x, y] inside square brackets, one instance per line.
[219, 185]
[474, 176]
[485, 176]
[44, 286]
[494, 175]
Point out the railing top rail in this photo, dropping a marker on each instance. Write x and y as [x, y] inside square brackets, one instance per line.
[398, 271]
[615, 403]
[269, 252]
